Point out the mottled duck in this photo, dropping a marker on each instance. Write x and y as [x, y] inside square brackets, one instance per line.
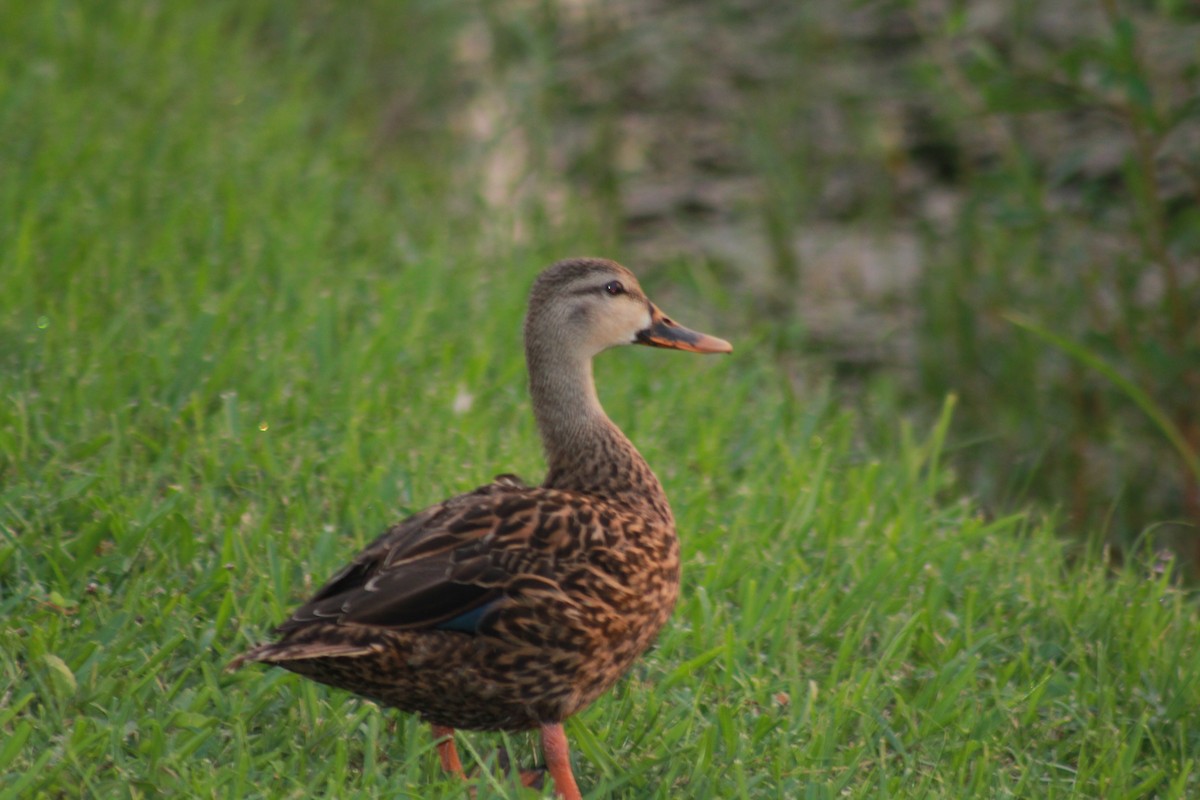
[512, 607]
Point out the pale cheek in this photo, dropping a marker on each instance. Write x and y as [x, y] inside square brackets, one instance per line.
[642, 325]
[638, 322]
[620, 329]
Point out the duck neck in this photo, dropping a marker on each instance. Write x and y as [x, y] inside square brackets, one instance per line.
[585, 451]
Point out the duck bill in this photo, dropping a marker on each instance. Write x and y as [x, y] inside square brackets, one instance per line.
[666, 332]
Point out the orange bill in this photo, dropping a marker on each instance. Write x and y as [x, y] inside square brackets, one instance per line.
[666, 332]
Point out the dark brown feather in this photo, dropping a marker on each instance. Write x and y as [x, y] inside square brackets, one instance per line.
[562, 585]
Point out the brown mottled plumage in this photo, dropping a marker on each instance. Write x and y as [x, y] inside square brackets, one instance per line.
[512, 606]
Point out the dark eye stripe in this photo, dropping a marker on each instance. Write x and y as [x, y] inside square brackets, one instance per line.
[612, 287]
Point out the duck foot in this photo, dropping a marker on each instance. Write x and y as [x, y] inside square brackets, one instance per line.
[554, 746]
[534, 778]
[530, 778]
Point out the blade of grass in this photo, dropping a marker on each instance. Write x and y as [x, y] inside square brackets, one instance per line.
[1143, 401]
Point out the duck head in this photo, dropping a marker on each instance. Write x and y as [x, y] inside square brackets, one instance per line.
[587, 305]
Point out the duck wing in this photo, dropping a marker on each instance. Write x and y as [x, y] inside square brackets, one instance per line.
[444, 566]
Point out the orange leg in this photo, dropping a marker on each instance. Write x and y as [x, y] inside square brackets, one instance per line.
[447, 752]
[558, 761]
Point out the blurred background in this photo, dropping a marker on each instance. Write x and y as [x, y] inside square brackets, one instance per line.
[999, 200]
[900, 200]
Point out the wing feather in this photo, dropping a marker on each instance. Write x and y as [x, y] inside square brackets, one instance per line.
[446, 565]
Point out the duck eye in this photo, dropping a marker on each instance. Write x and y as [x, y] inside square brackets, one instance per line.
[614, 288]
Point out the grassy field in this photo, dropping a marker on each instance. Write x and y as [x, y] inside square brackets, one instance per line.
[240, 334]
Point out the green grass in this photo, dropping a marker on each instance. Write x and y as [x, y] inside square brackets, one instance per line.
[234, 327]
